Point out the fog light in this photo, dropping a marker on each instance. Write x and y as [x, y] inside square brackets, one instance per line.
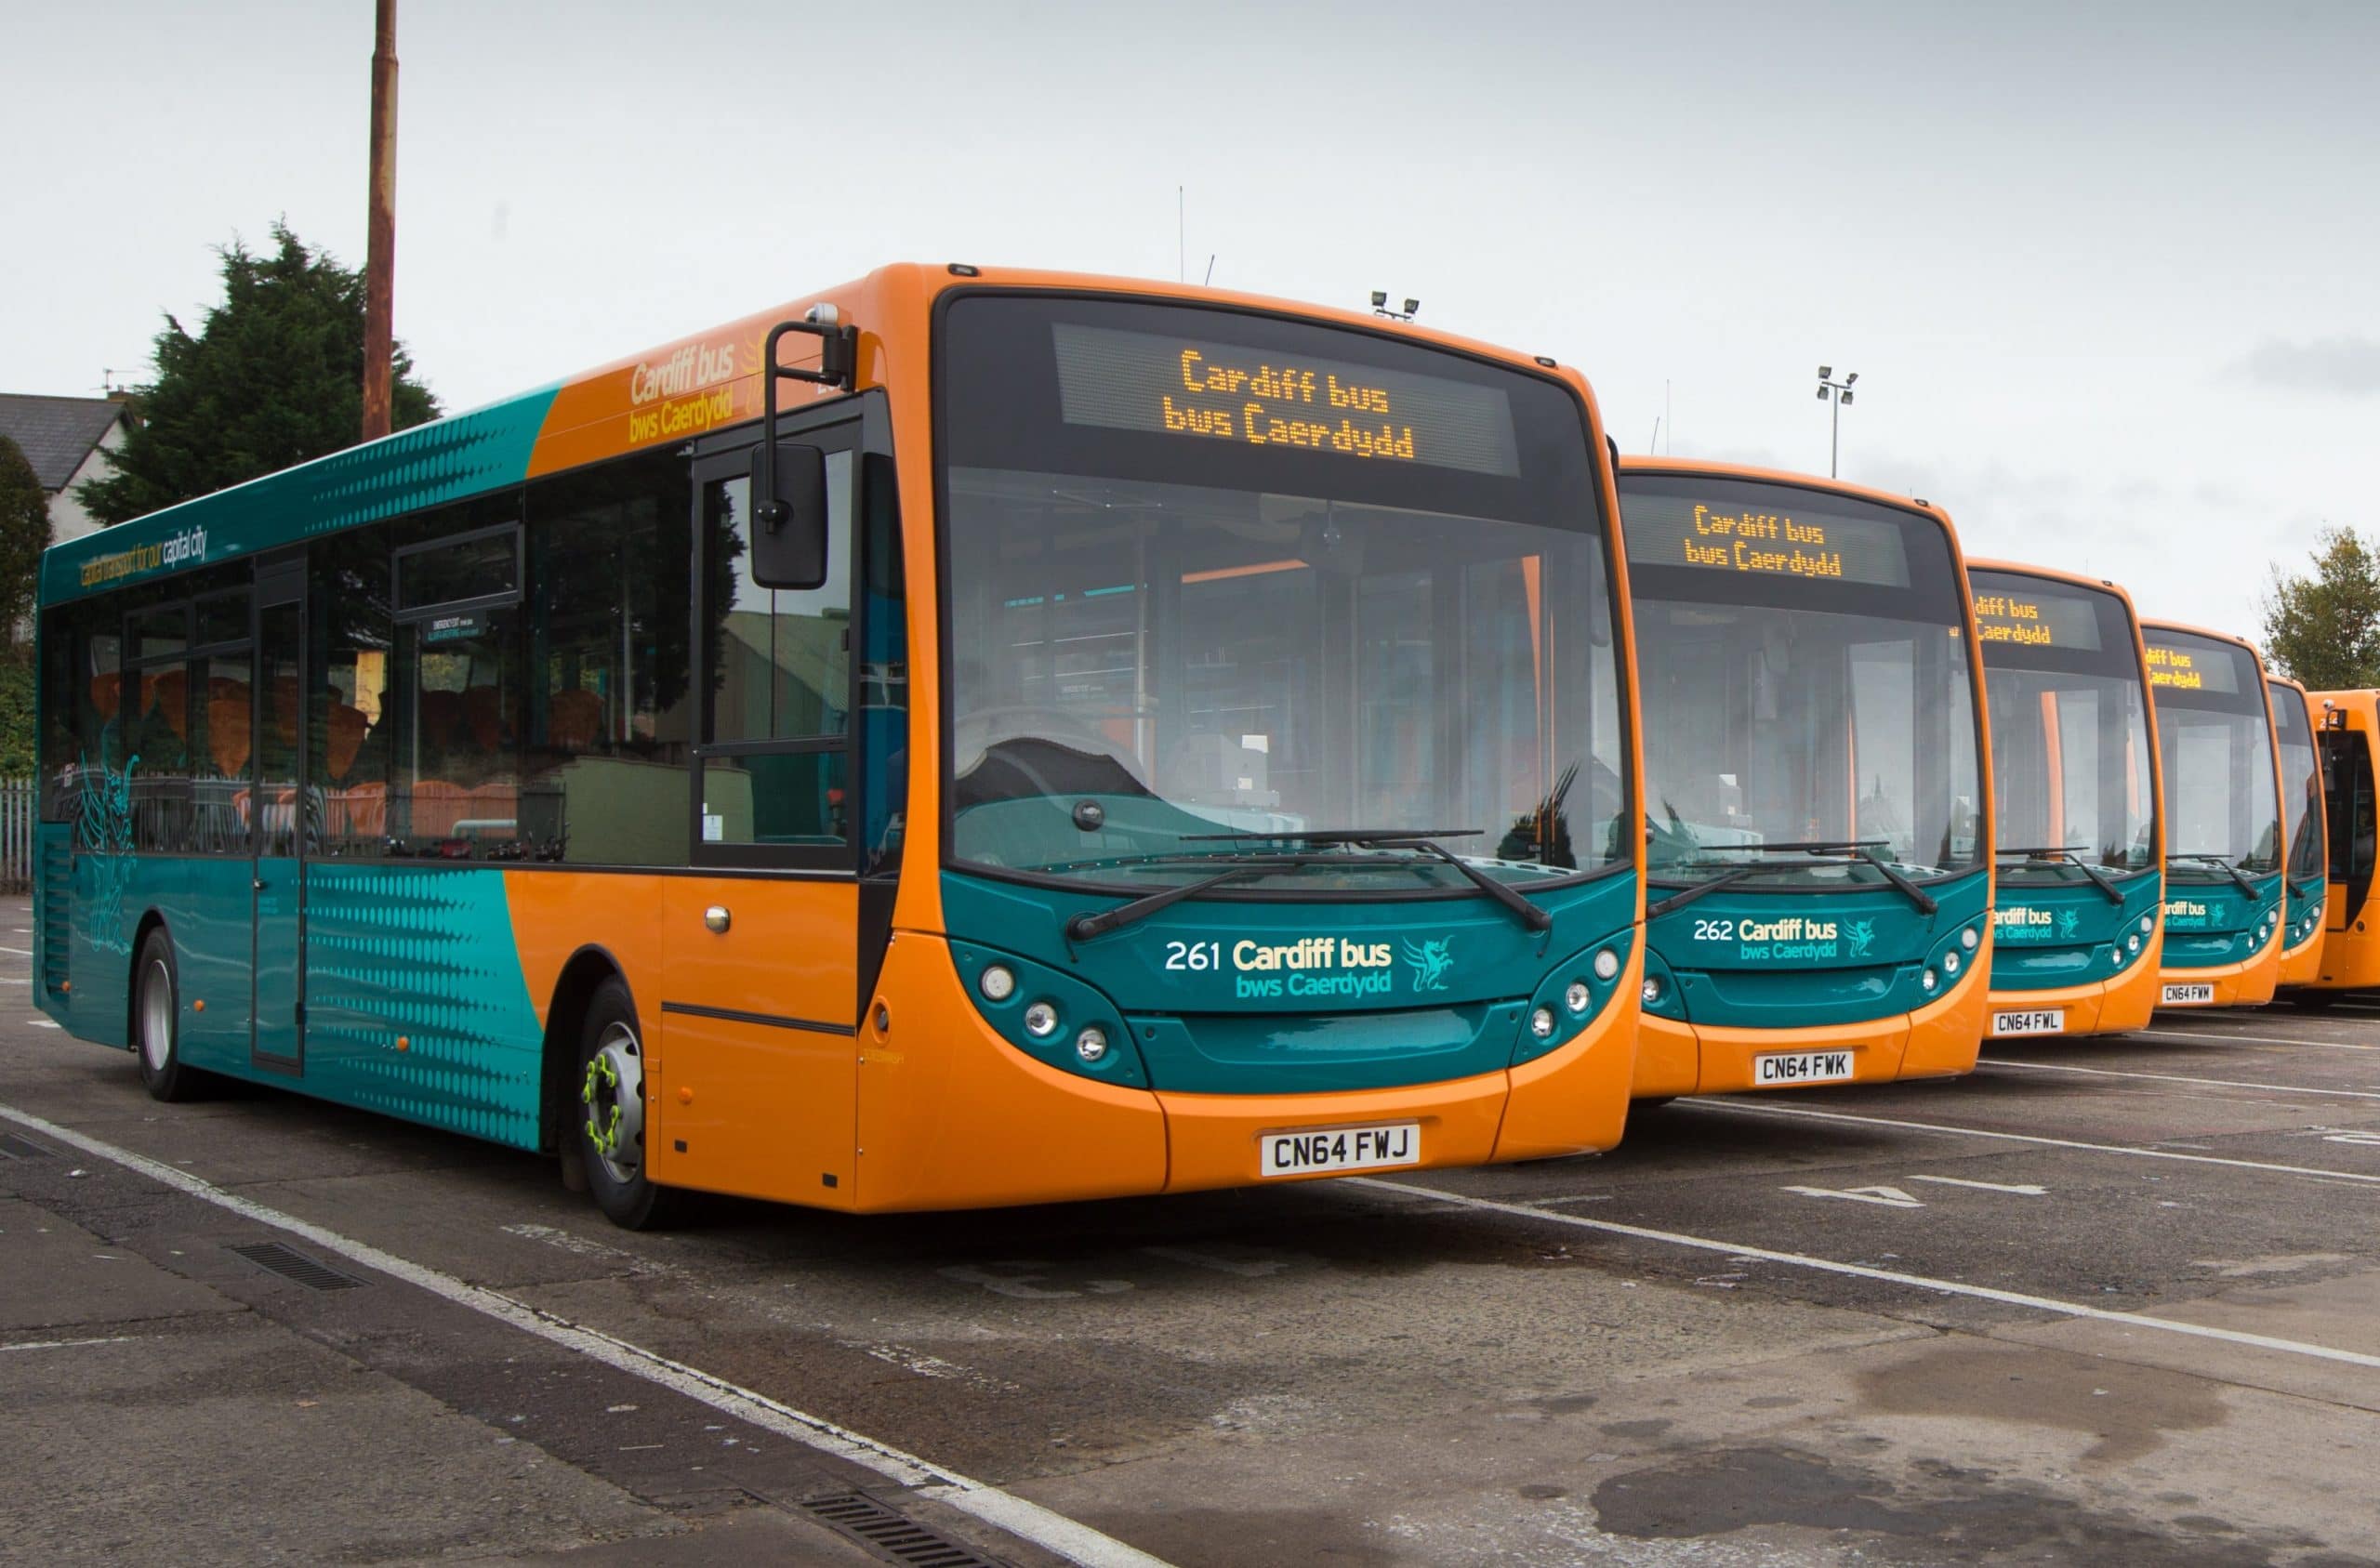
[1931, 980]
[1091, 1043]
[1576, 997]
[1949, 963]
[1652, 991]
[1606, 964]
[1540, 1023]
[1041, 1021]
[998, 982]
[1967, 939]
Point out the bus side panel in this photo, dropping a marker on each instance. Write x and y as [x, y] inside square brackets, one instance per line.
[1669, 1060]
[1574, 1101]
[1947, 1037]
[415, 1004]
[54, 920]
[953, 1116]
[105, 914]
[757, 1071]
[557, 914]
[210, 909]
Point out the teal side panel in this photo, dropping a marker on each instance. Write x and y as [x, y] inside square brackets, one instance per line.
[274, 941]
[396, 952]
[2069, 933]
[445, 460]
[204, 901]
[53, 918]
[2209, 924]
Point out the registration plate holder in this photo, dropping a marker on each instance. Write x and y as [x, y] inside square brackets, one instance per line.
[1316, 1151]
[2196, 993]
[2029, 1020]
[1781, 1069]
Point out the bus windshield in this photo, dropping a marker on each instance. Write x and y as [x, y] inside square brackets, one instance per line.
[1218, 582]
[2070, 768]
[1809, 703]
[2301, 785]
[2215, 741]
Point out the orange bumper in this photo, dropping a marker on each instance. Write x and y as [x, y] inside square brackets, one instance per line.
[2249, 984]
[2301, 965]
[1937, 1040]
[2106, 1007]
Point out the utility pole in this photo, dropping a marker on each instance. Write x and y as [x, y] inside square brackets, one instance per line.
[380, 243]
[1838, 393]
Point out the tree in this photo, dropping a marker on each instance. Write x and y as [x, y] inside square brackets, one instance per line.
[2322, 631]
[24, 534]
[275, 376]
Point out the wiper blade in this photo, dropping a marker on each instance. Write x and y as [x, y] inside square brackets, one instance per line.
[1082, 928]
[2067, 853]
[1339, 835]
[1725, 878]
[1915, 895]
[2223, 863]
[1529, 915]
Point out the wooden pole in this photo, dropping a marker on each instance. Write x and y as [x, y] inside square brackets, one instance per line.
[380, 245]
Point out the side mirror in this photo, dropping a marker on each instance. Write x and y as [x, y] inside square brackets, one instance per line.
[789, 515]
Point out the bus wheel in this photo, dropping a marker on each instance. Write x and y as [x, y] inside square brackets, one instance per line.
[156, 1023]
[610, 1124]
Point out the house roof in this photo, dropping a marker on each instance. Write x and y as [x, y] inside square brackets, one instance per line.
[56, 434]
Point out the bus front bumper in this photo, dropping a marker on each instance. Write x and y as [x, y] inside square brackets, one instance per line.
[1938, 1040]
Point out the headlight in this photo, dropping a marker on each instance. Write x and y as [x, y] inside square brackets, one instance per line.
[1540, 1023]
[1041, 1021]
[1949, 963]
[1576, 997]
[1652, 991]
[1931, 980]
[1091, 1043]
[998, 982]
[2132, 943]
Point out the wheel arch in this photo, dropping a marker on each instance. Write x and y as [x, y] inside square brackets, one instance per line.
[151, 919]
[565, 1017]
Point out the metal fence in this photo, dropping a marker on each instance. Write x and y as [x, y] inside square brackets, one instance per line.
[18, 815]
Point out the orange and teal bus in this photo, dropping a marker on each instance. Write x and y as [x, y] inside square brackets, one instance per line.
[2222, 858]
[2305, 825]
[2081, 837]
[1820, 862]
[965, 738]
[2344, 729]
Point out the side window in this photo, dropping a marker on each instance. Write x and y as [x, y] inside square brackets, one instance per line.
[82, 687]
[457, 693]
[883, 671]
[351, 740]
[775, 765]
[608, 725]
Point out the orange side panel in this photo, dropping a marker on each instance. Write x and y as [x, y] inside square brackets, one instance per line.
[759, 1104]
[1669, 1061]
[953, 1116]
[2304, 962]
[1946, 1036]
[2132, 1000]
[556, 913]
[1574, 1101]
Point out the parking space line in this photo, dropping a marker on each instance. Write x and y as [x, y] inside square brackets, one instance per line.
[2135, 1150]
[1886, 1276]
[2168, 1078]
[1030, 1522]
[2252, 1039]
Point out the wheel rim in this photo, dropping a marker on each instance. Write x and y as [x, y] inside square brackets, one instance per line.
[157, 1017]
[614, 1095]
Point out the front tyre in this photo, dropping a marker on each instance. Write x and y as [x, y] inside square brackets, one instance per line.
[156, 1021]
[611, 1121]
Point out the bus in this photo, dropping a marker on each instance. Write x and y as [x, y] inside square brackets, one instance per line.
[2304, 827]
[1818, 821]
[969, 737]
[2079, 840]
[2344, 730]
[2223, 858]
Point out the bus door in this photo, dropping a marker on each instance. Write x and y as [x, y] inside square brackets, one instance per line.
[277, 816]
[2347, 789]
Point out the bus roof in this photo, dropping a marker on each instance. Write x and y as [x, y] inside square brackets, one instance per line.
[2151, 623]
[667, 394]
[1633, 465]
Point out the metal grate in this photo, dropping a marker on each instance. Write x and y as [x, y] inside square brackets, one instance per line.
[892, 1535]
[292, 1264]
[14, 1148]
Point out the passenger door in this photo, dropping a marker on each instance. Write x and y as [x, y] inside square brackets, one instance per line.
[278, 815]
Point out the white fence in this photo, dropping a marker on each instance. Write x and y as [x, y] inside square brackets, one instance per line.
[18, 814]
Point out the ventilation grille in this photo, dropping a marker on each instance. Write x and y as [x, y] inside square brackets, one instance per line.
[891, 1535]
[292, 1264]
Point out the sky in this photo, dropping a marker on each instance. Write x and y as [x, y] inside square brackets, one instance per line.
[2110, 275]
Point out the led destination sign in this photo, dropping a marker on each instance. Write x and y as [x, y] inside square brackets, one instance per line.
[1793, 540]
[1205, 390]
[2033, 618]
[2206, 668]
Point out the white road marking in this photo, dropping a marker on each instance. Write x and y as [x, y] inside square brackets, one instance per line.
[2175, 1078]
[1769, 1108]
[1891, 1197]
[70, 1344]
[2252, 1039]
[2370, 1140]
[20, 952]
[2021, 1189]
[1027, 1520]
[1886, 1276]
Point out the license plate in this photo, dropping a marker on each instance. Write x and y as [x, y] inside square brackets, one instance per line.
[1801, 1067]
[1318, 1149]
[2188, 995]
[2042, 1020]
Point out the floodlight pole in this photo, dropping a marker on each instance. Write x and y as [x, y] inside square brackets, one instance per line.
[380, 228]
[1837, 393]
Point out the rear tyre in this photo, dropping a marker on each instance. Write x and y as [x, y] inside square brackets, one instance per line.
[612, 1100]
[156, 1023]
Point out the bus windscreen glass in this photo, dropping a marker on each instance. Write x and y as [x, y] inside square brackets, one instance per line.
[2222, 803]
[1213, 573]
[1805, 681]
[2071, 763]
[2301, 781]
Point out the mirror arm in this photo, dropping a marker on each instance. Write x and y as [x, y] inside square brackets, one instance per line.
[837, 366]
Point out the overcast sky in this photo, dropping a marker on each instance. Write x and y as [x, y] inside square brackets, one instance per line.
[2110, 275]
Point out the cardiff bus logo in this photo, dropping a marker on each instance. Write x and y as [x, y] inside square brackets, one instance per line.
[1432, 963]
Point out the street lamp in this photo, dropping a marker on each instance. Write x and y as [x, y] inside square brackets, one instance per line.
[1380, 307]
[1838, 393]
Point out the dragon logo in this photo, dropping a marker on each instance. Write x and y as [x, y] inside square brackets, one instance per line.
[1432, 963]
[2067, 920]
[1863, 936]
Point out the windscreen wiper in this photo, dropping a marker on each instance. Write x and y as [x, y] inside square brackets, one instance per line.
[1082, 928]
[2222, 862]
[1863, 851]
[1726, 878]
[1423, 840]
[2067, 853]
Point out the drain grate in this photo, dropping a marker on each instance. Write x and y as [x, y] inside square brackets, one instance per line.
[292, 1264]
[14, 1148]
[891, 1534]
